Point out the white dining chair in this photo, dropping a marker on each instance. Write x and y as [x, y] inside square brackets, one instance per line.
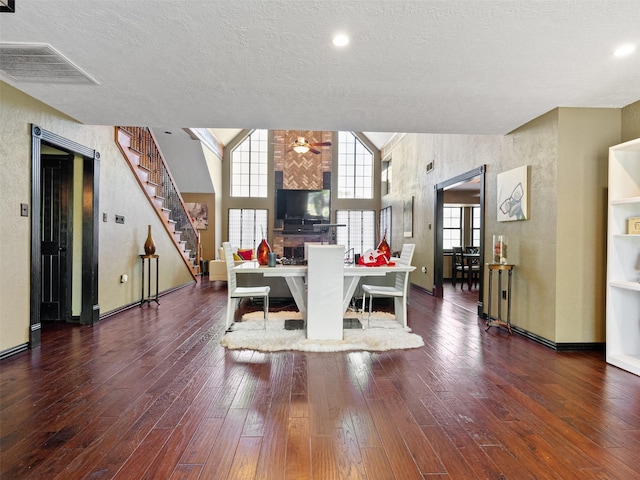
[235, 293]
[398, 291]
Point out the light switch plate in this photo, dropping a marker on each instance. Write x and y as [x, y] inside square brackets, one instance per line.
[24, 209]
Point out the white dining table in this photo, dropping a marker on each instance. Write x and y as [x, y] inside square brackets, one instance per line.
[295, 275]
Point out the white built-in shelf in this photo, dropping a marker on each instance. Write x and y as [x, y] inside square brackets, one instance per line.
[623, 252]
[627, 285]
[626, 201]
[630, 363]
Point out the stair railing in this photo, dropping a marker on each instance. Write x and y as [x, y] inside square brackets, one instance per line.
[143, 141]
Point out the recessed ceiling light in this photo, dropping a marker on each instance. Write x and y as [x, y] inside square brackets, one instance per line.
[340, 40]
[624, 50]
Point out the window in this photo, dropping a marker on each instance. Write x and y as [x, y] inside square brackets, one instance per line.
[360, 230]
[355, 167]
[475, 226]
[451, 227]
[386, 177]
[247, 227]
[385, 224]
[249, 166]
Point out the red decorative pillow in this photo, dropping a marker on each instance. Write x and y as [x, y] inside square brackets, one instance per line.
[246, 253]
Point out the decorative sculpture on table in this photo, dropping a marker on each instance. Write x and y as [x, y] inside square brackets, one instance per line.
[263, 251]
[500, 249]
[149, 245]
[374, 258]
[383, 246]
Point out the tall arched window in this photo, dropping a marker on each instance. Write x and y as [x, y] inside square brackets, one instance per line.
[355, 167]
[249, 166]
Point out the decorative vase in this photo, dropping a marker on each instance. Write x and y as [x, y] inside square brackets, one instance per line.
[149, 246]
[500, 249]
[383, 246]
[263, 251]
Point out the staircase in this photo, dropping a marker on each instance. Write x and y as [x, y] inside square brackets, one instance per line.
[143, 156]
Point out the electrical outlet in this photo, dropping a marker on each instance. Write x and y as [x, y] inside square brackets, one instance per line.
[504, 294]
[105, 217]
[119, 218]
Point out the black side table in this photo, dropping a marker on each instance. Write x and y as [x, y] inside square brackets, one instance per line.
[151, 296]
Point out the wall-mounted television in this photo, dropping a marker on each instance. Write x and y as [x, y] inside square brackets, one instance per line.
[297, 205]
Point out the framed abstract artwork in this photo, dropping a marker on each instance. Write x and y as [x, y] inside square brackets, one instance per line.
[513, 202]
[199, 213]
[407, 213]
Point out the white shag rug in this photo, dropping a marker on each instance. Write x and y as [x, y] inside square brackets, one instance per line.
[385, 334]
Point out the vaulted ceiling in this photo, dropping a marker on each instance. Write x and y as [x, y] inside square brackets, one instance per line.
[456, 66]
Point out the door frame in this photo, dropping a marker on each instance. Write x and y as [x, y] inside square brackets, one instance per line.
[90, 312]
[438, 270]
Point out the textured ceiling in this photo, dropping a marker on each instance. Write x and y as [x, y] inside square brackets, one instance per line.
[472, 67]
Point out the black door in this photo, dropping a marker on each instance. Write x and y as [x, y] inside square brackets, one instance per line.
[55, 221]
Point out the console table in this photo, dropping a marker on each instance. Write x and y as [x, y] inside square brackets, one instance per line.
[498, 321]
[152, 295]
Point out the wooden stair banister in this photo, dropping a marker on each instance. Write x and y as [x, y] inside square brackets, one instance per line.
[140, 148]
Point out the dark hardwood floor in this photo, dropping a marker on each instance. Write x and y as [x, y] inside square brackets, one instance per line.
[150, 394]
[465, 298]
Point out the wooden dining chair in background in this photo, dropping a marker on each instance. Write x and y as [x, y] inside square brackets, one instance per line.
[473, 265]
[459, 267]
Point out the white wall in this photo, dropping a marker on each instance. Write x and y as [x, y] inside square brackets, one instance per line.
[565, 151]
[119, 194]
[584, 138]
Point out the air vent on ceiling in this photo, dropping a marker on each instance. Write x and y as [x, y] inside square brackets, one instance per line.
[8, 6]
[40, 63]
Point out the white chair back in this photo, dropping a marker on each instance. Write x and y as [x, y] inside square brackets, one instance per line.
[406, 257]
[325, 288]
[231, 275]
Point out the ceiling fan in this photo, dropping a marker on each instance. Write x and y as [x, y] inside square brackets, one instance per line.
[301, 145]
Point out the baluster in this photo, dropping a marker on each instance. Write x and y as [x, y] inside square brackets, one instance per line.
[166, 189]
[151, 159]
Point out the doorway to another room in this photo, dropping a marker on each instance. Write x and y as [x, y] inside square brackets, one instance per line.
[459, 240]
[64, 232]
